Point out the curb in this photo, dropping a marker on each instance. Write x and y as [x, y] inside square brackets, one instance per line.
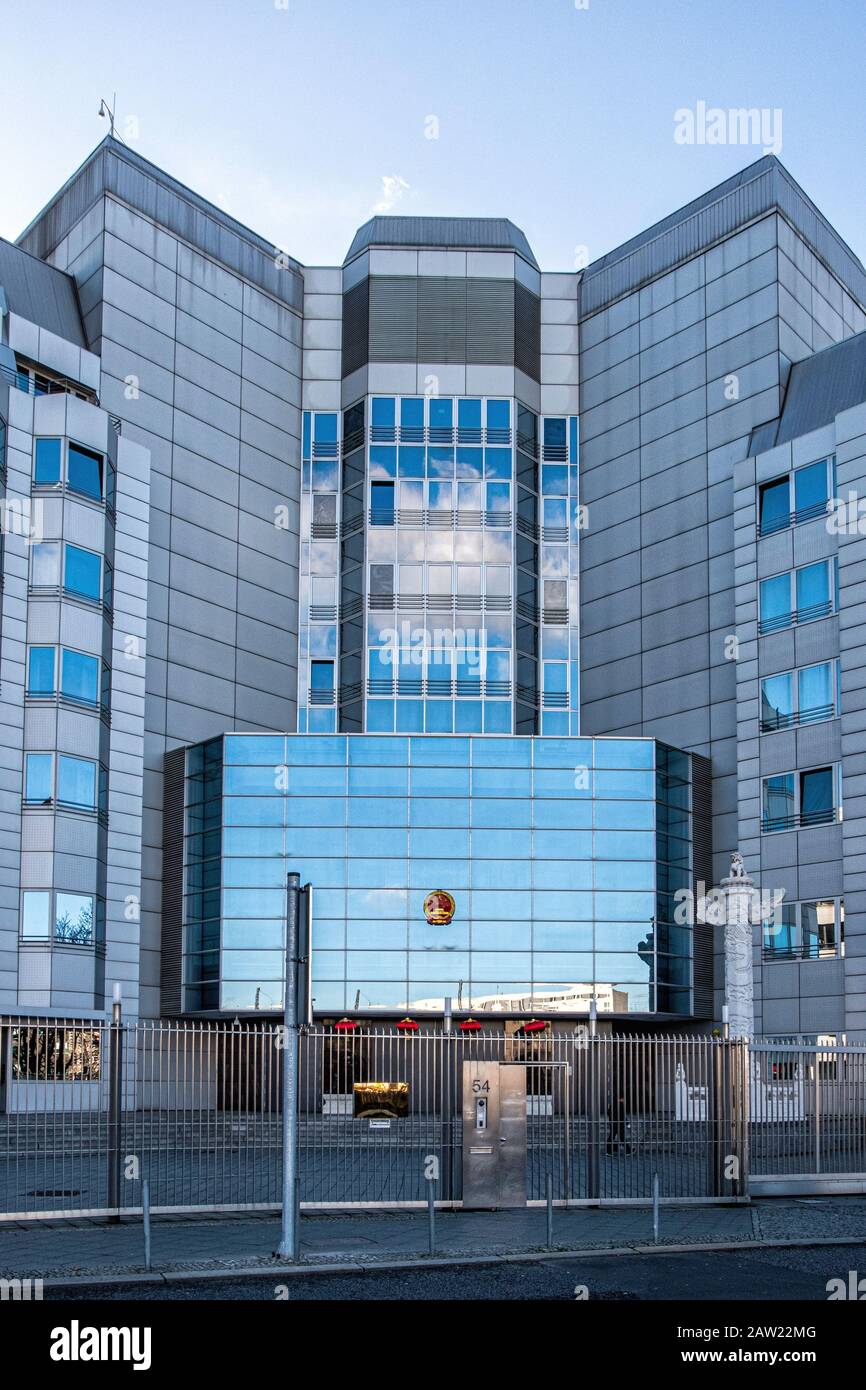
[169, 1277]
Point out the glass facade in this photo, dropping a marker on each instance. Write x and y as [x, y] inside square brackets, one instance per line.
[439, 568]
[562, 857]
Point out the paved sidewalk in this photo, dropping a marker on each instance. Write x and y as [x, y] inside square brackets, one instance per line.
[82, 1248]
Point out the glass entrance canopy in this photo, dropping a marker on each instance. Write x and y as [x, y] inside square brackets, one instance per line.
[507, 874]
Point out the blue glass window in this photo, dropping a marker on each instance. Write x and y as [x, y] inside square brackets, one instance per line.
[79, 678]
[439, 717]
[778, 802]
[38, 774]
[411, 461]
[383, 417]
[815, 692]
[554, 439]
[777, 702]
[265, 750]
[774, 506]
[554, 479]
[817, 800]
[811, 490]
[440, 462]
[380, 716]
[84, 471]
[441, 415]
[45, 564]
[322, 677]
[46, 468]
[383, 461]
[498, 497]
[440, 496]
[40, 671]
[469, 462]
[76, 782]
[36, 915]
[73, 919]
[382, 504]
[325, 436]
[412, 419]
[624, 752]
[410, 716]
[498, 463]
[813, 591]
[82, 572]
[498, 422]
[625, 783]
[555, 677]
[469, 421]
[775, 601]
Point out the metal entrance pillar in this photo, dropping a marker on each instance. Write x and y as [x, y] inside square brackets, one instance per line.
[494, 1135]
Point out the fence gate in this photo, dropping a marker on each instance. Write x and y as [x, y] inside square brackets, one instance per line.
[807, 1118]
[89, 1109]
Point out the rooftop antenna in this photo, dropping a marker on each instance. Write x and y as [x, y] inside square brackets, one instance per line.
[106, 112]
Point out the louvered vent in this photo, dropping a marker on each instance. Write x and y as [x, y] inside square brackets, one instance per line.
[356, 327]
[490, 321]
[441, 319]
[393, 318]
[527, 332]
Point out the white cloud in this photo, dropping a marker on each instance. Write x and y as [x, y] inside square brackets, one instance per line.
[393, 188]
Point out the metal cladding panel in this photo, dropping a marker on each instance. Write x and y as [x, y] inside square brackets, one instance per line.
[171, 959]
[463, 233]
[822, 386]
[702, 871]
[40, 293]
[115, 169]
[490, 321]
[763, 187]
[356, 327]
[527, 332]
[76, 198]
[441, 319]
[393, 318]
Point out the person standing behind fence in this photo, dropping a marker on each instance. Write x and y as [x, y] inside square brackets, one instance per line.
[617, 1134]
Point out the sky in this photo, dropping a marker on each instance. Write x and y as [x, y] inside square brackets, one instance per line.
[303, 117]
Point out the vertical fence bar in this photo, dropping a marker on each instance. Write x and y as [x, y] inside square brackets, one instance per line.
[115, 1103]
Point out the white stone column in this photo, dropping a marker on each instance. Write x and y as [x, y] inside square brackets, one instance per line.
[737, 907]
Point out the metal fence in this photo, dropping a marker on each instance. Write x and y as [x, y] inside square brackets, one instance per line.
[88, 1110]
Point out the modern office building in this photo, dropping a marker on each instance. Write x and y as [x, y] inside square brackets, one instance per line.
[429, 574]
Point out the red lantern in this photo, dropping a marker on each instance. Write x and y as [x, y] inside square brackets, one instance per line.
[407, 1025]
[346, 1025]
[470, 1025]
[535, 1025]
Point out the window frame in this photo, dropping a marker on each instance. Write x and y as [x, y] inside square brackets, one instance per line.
[795, 820]
[797, 950]
[53, 801]
[795, 516]
[792, 617]
[795, 719]
[80, 594]
[57, 692]
[66, 445]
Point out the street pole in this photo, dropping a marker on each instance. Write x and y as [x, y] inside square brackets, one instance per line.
[288, 1249]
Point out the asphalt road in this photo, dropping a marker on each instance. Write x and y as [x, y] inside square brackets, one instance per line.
[749, 1275]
